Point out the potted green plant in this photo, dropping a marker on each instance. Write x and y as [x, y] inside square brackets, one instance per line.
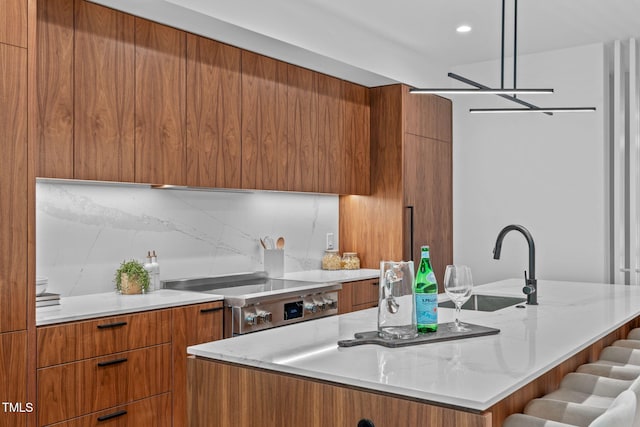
[132, 278]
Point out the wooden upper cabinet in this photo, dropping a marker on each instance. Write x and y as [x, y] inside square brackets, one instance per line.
[264, 123]
[356, 140]
[428, 116]
[13, 22]
[302, 122]
[331, 150]
[104, 94]
[54, 89]
[213, 114]
[160, 86]
[13, 188]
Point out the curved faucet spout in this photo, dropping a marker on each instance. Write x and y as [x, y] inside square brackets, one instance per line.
[531, 284]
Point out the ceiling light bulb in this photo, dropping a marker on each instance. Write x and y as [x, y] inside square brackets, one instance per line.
[463, 29]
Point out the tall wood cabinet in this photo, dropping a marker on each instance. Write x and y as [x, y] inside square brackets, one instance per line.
[13, 377]
[13, 226]
[411, 186]
[13, 188]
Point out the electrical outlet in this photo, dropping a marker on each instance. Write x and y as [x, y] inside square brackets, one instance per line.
[330, 241]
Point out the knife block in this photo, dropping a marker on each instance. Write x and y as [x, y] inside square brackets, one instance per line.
[274, 262]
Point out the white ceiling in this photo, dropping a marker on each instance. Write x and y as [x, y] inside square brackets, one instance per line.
[379, 41]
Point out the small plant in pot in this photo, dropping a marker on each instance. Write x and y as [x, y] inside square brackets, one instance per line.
[132, 278]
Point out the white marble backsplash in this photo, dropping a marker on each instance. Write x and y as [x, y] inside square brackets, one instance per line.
[84, 231]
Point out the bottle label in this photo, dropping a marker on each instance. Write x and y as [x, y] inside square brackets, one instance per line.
[426, 309]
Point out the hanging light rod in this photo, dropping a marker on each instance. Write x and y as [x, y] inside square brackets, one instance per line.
[534, 110]
[481, 86]
[503, 92]
[487, 91]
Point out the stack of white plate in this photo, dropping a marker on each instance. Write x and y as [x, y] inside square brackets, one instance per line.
[41, 285]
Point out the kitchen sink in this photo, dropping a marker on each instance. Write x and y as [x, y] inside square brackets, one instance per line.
[485, 303]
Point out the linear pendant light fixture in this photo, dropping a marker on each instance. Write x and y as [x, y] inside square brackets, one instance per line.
[503, 92]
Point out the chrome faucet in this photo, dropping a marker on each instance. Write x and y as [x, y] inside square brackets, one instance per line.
[530, 284]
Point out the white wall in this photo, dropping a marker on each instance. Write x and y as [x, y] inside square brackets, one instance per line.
[548, 174]
[84, 232]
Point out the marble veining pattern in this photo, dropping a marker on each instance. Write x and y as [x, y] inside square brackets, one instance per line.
[83, 232]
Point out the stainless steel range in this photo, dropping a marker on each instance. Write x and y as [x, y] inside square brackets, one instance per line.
[254, 302]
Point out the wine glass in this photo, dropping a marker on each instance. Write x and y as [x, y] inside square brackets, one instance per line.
[458, 285]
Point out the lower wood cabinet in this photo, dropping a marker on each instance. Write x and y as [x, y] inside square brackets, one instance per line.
[221, 393]
[127, 370]
[193, 324]
[13, 378]
[358, 295]
[154, 411]
[73, 389]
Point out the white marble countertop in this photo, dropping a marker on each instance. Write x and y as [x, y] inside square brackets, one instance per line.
[333, 275]
[471, 373]
[110, 303]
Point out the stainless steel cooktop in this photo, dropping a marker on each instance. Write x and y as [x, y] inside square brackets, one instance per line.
[247, 288]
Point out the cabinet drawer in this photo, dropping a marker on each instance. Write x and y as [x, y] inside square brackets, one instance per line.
[365, 292]
[74, 389]
[154, 411]
[81, 340]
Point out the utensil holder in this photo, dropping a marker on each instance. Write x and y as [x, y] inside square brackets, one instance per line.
[274, 262]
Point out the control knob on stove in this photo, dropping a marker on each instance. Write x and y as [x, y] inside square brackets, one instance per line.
[251, 319]
[264, 317]
[311, 307]
[331, 303]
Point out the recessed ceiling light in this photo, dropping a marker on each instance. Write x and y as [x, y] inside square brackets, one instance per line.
[463, 29]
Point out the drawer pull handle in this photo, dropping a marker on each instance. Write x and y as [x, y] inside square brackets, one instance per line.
[209, 310]
[374, 283]
[112, 362]
[112, 415]
[112, 325]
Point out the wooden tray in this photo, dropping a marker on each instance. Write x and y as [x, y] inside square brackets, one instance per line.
[442, 334]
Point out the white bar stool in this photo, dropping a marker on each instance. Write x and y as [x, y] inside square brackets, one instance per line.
[620, 413]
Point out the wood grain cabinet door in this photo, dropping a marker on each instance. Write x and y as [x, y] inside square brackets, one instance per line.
[160, 86]
[154, 411]
[73, 341]
[430, 183]
[332, 150]
[13, 22]
[302, 124]
[213, 114]
[73, 389]
[103, 93]
[356, 140]
[264, 123]
[13, 188]
[13, 377]
[54, 89]
[193, 324]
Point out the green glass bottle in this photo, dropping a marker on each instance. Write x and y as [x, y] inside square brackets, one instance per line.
[426, 294]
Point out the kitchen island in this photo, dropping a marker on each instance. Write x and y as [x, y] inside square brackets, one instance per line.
[297, 375]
